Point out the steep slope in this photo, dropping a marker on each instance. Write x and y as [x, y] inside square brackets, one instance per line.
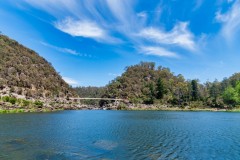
[24, 72]
[142, 83]
[146, 84]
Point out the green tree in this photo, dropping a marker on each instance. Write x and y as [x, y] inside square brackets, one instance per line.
[151, 93]
[160, 89]
[148, 93]
[237, 89]
[195, 91]
[215, 91]
[230, 96]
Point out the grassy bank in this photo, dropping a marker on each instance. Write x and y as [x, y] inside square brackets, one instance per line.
[9, 104]
[15, 105]
[11, 111]
[183, 109]
[4, 111]
[234, 110]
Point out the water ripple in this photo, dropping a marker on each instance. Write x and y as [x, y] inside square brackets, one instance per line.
[120, 135]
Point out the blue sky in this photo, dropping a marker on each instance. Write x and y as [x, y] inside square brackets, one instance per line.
[90, 42]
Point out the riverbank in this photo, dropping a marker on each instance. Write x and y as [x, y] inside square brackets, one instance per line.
[10, 104]
[91, 107]
[184, 109]
[159, 107]
[2, 111]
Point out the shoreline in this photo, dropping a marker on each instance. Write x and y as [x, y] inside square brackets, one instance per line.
[10, 104]
[47, 110]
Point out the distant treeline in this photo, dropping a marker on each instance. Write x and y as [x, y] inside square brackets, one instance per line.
[145, 83]
[90, 92]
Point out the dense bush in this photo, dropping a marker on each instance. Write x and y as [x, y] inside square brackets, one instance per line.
[23, 68]
[38, 103]
[9, 99]
[25, 103]
[12, 100]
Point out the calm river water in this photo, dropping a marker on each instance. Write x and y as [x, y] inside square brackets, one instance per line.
[120, 135]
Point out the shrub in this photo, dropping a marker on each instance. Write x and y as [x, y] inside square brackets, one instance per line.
[12, 100]
[5, 99]
[38, 103]
[122, 106]
[25, 103]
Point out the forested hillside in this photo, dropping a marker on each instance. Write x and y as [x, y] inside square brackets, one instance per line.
[24, 72]
[145, 83]
[142, 83]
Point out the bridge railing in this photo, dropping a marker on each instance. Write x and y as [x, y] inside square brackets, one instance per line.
[110, 99]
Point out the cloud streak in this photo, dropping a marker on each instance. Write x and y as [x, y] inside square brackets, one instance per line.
[157, 51]
[179, 36]
[230, 21]
[121, 9]
[117, 24]
[86, 29]
[66, 50]
[55, 7]
[71, 81]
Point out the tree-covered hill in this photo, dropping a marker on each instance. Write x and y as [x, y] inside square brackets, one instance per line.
[25, 73]
[145, 83]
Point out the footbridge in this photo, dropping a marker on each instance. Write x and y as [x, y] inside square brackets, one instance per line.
[107, 99]
[115, 101]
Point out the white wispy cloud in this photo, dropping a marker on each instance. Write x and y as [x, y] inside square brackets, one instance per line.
[179, 35]
[80, 28]
[71, 81]
[157, 51]
[198, 4]
[142, 17]
[142, 14]
[230, 21]
[125, 20]
[121, 9]
[66, 50]
[85, 28]
[102, 20]
[77, 18]
[55, 7]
